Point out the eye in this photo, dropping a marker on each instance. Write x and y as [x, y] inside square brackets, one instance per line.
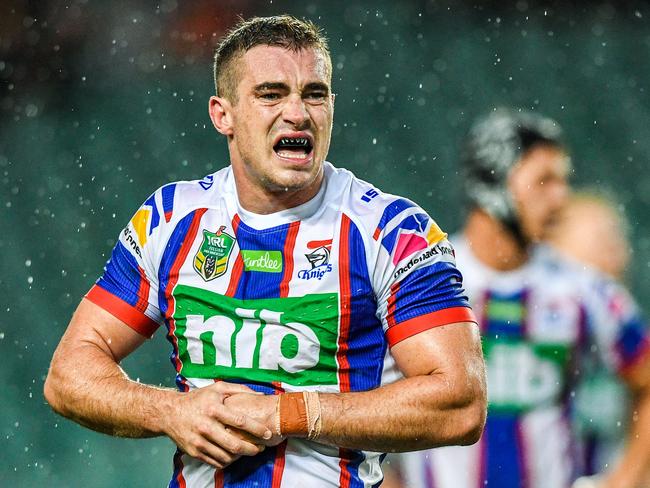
[270, 96]
[317, 96]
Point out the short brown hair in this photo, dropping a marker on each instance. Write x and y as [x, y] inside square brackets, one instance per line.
[281, 30]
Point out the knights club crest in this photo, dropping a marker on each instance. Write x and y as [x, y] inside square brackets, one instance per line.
[211, 260]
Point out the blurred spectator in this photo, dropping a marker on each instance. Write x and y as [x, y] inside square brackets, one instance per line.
[594, 230]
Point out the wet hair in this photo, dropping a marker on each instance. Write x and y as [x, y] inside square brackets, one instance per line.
[281, 30]
[493, 146]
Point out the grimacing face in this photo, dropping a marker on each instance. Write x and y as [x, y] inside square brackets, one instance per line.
[280, 127]
[539, 188]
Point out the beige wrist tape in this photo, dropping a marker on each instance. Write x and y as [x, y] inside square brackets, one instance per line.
[299, 415]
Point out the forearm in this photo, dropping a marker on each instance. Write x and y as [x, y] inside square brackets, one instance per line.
[89, 387]
[413, 413]
[633, 468]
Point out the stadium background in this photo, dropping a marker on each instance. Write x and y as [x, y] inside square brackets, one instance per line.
[102, 102]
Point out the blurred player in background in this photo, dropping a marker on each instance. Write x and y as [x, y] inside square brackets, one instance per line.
[545, 321]
[593, 229]
[293, 295]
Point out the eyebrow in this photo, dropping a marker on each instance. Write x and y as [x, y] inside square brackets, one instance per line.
[268, 85]
[271, 85]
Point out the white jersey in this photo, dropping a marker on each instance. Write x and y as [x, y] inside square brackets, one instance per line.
[310, 298]
[543, 326]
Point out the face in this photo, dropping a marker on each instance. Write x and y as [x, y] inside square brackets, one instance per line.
[592, 232]
[279, 129]
[539, 188]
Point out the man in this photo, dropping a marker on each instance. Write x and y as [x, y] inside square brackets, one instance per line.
[293, 294]
[545, 321]
[591, 217]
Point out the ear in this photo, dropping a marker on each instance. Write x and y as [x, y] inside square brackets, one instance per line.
[221, 115]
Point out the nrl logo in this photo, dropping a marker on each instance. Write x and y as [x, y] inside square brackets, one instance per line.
[211, 260]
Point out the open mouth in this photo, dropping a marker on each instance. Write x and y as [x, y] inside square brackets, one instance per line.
[293, 147]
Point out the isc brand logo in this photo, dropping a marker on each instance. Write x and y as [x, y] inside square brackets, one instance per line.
[291, 340]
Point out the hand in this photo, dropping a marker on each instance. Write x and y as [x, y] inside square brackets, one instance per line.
[262, 408]
[203, 426]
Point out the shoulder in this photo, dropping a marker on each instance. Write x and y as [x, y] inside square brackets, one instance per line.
[372, 209]
[175, 199]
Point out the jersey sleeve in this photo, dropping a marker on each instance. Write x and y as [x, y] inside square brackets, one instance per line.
[128, 288]
[417, 283]
[621, 333]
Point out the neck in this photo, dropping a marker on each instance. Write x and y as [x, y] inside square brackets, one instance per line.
[492, 243]
[263, 201]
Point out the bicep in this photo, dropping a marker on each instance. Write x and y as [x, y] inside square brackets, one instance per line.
[92, 326]
[453, 349]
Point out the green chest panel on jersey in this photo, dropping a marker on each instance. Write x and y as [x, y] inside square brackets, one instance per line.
[524, 375]
[291, 340]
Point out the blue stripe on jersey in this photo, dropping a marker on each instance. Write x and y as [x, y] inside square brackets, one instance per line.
[251, 472]
[632, 339]
[503, 451]
[260, 284]
[121, 276]
[178, 468]
[155, 215]
[392, 210]
[169, 256]
[505, 315]
[429, 289]
[366, 340]
[168, 197]
[355, 459]
[412, 222]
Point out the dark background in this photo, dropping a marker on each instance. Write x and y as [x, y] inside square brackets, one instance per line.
[102, 102]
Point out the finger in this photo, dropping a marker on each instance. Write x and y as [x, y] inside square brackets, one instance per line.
[215, 456]
[232, 388]
[243, 422]
[228, 441]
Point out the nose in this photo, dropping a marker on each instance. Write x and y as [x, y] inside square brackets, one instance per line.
[295, 112]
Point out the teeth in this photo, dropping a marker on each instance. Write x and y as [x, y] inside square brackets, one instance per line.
[298, 141]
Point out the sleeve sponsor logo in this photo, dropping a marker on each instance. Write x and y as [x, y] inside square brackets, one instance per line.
[131, 241]
[369, 195]
[263, 261]
[291, 340]
[211, 260]
[437, 250]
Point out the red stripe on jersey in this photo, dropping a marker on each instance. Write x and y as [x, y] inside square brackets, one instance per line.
[316, 244]
[168, 215]
[143, 291]
[278, 466]
[375, 236]
[122, 310]
[218, 478]
[344, 284]
[173, 279]
[178, 465]
[390, 304]
[238, 267]
[344, 478]
[414, 326]
[289, 245]
[280, 453]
